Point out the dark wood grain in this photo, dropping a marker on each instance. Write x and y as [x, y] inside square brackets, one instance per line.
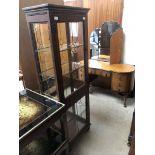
[52, 15]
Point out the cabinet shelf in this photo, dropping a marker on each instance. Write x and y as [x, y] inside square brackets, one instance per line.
[71, 47]
[45, 49]
[61, 64]
[51, 68]
[46, 70]
[73, 71]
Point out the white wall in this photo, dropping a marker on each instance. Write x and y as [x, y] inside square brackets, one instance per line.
[129, 28]
[139, 28]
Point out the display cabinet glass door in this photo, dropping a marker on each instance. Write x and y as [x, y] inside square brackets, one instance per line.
[76, 118]
[44, 58]
[70, 36]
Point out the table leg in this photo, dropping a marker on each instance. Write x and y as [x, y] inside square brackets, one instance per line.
[125, 98]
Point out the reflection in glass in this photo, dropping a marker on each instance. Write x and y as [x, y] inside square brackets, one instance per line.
[45, 58]
[76, 117]
[41, 35]
[100, 40]
[70, 37]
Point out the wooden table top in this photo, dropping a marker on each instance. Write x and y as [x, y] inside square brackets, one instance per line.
[118, 68]
[104, 57]
[101, 57]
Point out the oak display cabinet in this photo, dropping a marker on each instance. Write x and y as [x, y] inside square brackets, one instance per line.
[60, 45]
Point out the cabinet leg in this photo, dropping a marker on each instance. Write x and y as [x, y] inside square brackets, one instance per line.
[129, 140]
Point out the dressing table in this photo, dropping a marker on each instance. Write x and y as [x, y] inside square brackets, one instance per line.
[121, 76]
[106, 65]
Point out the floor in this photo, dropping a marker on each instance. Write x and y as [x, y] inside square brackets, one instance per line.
[110, 125]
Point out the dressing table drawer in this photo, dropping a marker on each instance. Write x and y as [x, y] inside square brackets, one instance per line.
[100, 72]
[122, 82]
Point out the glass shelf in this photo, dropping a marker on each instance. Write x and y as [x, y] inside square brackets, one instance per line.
[70, 47]
[73, 71]
[45, 49]
[46, 70]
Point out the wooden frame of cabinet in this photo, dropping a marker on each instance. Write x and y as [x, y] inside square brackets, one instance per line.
[55, 18]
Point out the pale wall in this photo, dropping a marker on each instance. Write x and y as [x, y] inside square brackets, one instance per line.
[129, 25]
